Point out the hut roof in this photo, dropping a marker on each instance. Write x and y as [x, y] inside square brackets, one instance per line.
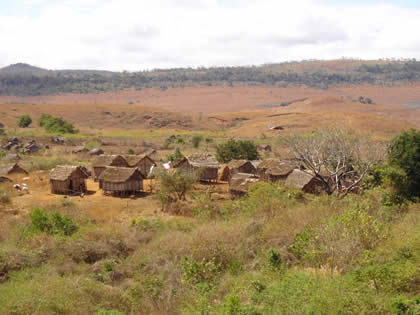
[120, 174]
[241, 181]
[4, 179]
[299, 179]
[280, 170]
[199, 161]
[256, 163]
[133, 160]
[6, 169]
[63, 172]
[237, 163]
[105, 160]
[269, 163]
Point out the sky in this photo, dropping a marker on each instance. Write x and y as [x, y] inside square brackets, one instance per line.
[138, 35]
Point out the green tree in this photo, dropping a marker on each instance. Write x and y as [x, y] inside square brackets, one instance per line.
[404, 152]
[176, 156]
[174, 185]
[196, 140]
[236, 150]
[24, 121]
[56, 124]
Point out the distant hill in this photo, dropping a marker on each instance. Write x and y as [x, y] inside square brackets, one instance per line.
[26, 80]
[23, 69]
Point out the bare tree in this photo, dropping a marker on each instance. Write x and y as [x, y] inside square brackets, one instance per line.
[338, 158]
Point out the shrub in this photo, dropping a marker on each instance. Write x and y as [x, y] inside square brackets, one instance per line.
[175, 185]
[56, 124]
[53, 224]
[24, 121]
[236, 150]
[196, 140]
[131, 151]
[176, 156]
[2, 132]
[404, 152]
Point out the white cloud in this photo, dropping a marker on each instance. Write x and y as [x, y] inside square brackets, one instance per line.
[140, 34]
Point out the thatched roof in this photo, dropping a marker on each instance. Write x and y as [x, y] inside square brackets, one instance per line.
[4, 179]
[299, 179]
[280, 170]
[107, 160]
[269, 163]
[237, 163]
[133, 160]
[120, 174]
[241, 181]
[256, 163]
[6, 169]
[199, 161]
[64, 172]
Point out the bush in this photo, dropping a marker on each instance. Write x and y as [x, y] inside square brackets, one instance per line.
[176, 156]
[53, 224]
[175, 185]
[236, 150]
[196, 140]
[404, 152]
[24, 121]
[2, 132]
[56, 124]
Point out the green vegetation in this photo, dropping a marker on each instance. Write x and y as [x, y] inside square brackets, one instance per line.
[405, 154]
[56, 125]
[196, 140]
[55, 82]
[24, 121]
[175, 156]
[174, 186]
[275, 251]
[236, 150]
[2, 132]
[52, 223]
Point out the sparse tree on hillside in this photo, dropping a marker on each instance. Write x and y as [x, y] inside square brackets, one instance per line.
[339, 159]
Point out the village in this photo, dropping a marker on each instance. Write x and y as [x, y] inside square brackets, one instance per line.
[129, 175]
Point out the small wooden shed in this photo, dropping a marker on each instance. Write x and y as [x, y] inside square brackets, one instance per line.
[143, 162]
[237, 166]
[305, 181]
[68, 180]
[206, 166]
[274, 169]
[121, 180]
[12, 168]
[103, 161]
[240, 182]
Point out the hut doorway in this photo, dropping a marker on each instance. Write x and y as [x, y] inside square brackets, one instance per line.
[71, 186]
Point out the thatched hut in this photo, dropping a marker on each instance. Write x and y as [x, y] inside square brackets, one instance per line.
[104, 161]
[143, 162]
[237, 166]
[240, 182]
[274, 169]
[305, 181]
[121, 180]
[206, 166]
[68, 180]
[13, 168]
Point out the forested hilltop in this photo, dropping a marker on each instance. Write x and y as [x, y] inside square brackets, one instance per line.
[26, 80]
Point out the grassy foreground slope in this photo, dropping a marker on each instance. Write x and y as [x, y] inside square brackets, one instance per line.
[276, 251]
